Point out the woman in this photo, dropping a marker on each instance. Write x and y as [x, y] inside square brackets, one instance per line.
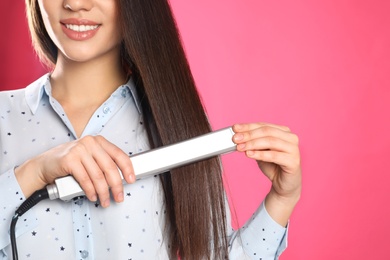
[120, 84]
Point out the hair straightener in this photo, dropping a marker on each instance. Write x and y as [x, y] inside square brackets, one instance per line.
[145, 164]
[158, 160]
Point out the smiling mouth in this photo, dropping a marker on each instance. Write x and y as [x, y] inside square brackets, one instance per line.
[81, 28]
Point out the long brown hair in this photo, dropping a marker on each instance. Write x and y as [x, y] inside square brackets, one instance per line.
[152, 50]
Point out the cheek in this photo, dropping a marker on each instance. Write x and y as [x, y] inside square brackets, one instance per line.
[111, 14]
[47, 15]
[117, 37]
[115, 30]
[50, 30]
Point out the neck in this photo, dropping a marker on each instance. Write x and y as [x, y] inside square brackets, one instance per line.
[88, 83]
[81, 87]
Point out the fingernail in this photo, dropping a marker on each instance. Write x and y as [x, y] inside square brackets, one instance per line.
[120, 197]
[131, 178]
[106, 203]
[241, 146]
[94, 198]
[238, 137]
[250, 153]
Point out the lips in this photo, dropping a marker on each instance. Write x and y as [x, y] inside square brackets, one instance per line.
[79, 29]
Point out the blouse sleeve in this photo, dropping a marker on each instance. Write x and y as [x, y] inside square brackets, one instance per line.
[11, 197]
[260, 238]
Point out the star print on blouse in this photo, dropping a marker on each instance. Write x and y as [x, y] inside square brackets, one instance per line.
[80, 229]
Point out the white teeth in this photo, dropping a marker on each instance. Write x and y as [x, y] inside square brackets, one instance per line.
[81, 28]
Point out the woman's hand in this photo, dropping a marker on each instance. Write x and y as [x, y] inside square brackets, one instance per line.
[91, 160]
[275, 148]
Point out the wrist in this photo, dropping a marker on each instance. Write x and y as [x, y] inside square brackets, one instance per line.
[281, 207]
[28, 178]
[286, 200]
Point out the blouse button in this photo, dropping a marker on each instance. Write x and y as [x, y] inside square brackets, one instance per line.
[106, 110]
[124, 92]
[84, 254]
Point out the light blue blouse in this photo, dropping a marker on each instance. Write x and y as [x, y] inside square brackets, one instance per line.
[31, 122]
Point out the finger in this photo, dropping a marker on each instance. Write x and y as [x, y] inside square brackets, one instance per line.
[237, 128]
[126, 169]
[108, 173]
[121, 160]
[80, 174]
[288, 162]
[115, 183]
[94, 159]
[268, 143]
[98, 179]
[104, 162]
[265, 131]
[116, 165]
[111, 174]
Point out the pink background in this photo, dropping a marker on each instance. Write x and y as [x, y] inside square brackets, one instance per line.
[320, 67]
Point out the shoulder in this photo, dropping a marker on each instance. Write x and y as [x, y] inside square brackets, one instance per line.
[8, 96]
[19, 96]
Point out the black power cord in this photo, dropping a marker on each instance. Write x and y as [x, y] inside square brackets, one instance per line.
[36, 197]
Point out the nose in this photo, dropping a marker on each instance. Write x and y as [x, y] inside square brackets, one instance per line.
[77, 5]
